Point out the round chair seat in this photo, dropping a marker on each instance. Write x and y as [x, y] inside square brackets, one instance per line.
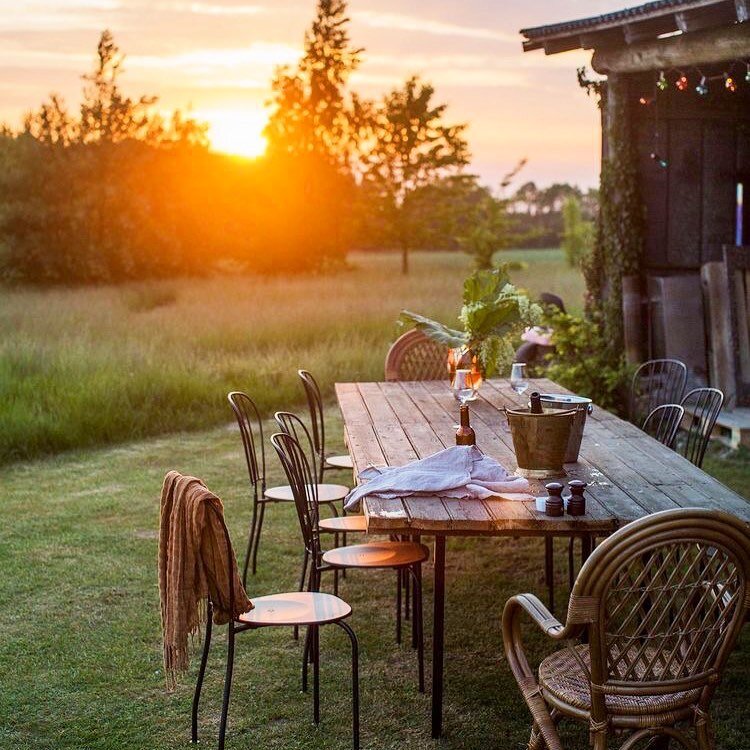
[343, 523]
[298, 608]
[327, 493]
[340, 462]
[562, 677]
[377, 555]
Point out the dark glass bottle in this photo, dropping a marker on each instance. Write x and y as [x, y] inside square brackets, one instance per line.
[535, 401]
[465, 434]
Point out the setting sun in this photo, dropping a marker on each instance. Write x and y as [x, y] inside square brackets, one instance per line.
[236, 132]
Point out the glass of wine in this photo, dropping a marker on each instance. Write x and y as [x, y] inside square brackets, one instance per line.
[465, 384]
[518, 380]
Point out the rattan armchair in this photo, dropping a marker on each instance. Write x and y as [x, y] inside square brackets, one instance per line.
[414, 356]
[660, 604]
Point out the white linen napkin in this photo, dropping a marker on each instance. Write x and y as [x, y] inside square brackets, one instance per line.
[461, 471]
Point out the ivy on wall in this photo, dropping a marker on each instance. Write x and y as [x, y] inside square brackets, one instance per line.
[618, 246]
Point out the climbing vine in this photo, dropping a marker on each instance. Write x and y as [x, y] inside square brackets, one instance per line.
[619, 233]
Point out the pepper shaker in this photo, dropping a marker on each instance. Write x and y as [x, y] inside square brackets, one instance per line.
[577, 502]
[554, 505]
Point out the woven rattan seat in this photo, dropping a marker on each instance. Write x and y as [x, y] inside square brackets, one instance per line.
[563, 677]
[661, 604]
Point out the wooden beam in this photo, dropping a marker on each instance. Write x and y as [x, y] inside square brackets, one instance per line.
[564, 44]
[706, 18]
[601, 39]
[699, 48]
[642, 31]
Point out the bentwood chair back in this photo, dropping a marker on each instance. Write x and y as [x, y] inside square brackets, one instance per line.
[703, 406]
[318, 427]
[404, 558]
[311, 609]
[656, 382]
[662, 603]
[663, 422]
[414, 356]
[248, 419]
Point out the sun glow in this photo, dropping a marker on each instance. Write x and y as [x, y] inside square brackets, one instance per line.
[237, 132]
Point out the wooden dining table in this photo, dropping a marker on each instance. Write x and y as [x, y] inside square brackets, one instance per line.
[629, 475]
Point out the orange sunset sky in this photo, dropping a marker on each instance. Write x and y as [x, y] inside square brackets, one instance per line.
[217, 57]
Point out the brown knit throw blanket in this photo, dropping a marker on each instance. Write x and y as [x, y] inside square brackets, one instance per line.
[193, 565]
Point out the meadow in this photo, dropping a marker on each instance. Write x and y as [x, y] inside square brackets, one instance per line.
[92, 366]
[80, 653]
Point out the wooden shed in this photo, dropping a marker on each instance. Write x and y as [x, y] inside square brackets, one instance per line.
[676, 104]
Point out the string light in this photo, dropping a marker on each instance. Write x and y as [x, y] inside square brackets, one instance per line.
[729, 83]
[646, 100]
[682, 83]
[662, 84]
[702, 87]
[661, 161]
[747, 75]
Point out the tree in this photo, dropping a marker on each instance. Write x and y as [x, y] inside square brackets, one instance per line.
[578, 233]
[312, 135]
[412, 147]
[106, 113]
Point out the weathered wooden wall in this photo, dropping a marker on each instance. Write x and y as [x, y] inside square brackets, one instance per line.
[690, 204]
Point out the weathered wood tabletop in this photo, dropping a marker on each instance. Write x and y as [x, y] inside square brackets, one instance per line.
[629, 475]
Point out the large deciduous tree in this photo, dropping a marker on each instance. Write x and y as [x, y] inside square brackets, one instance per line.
[412, 147]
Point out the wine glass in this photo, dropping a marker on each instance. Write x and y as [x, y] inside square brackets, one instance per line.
[464, 384]
[518, 380]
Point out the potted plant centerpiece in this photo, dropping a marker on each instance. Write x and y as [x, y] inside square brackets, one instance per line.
[494, 315]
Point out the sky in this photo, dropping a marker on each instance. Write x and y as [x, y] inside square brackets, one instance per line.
[217, 57]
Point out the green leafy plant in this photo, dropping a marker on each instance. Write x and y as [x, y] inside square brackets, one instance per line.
[583, 360]
[493, 316]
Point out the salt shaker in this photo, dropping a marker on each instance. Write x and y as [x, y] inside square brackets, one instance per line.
[577, 502]
[554, 505]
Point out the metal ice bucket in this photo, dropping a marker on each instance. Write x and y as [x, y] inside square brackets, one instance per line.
[540, 441]
[562, 402]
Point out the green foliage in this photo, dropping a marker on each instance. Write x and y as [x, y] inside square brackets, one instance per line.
[493, 315]
[411, 148]
[582, 360]
[618, 245]
[578, 234]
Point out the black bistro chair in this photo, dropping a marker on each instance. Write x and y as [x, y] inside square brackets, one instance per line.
[405, 558]
[318, 425]
[656, 382]
[702, 406]
[663, 422]
[309, 608]
[249, 421]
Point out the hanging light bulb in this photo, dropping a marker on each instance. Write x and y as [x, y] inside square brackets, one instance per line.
[662, 84]
[682, 83]
[702, 87]
[646, 100]
[660, 160]
[729, 83]
[747, 75]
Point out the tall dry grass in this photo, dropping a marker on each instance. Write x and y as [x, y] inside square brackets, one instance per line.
[90, 366]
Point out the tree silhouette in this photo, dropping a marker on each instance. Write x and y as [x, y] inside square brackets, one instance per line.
[412, 147]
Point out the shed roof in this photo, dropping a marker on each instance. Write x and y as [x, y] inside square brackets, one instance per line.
[641, 23]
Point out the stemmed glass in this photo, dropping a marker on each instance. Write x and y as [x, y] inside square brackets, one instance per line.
[518, 380]
[465, 384]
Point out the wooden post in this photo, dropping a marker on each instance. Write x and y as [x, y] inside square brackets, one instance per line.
[721, 352]
[632, 319]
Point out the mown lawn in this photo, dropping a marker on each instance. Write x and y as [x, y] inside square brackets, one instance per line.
[95, 366]
[80, 660]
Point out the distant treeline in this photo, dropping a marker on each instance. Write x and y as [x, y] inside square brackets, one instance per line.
[115, 192]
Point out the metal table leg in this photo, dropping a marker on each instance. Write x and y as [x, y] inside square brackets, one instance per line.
[438, 627]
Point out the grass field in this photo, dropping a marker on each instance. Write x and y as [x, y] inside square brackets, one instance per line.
[86, 367]
[80, 660]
